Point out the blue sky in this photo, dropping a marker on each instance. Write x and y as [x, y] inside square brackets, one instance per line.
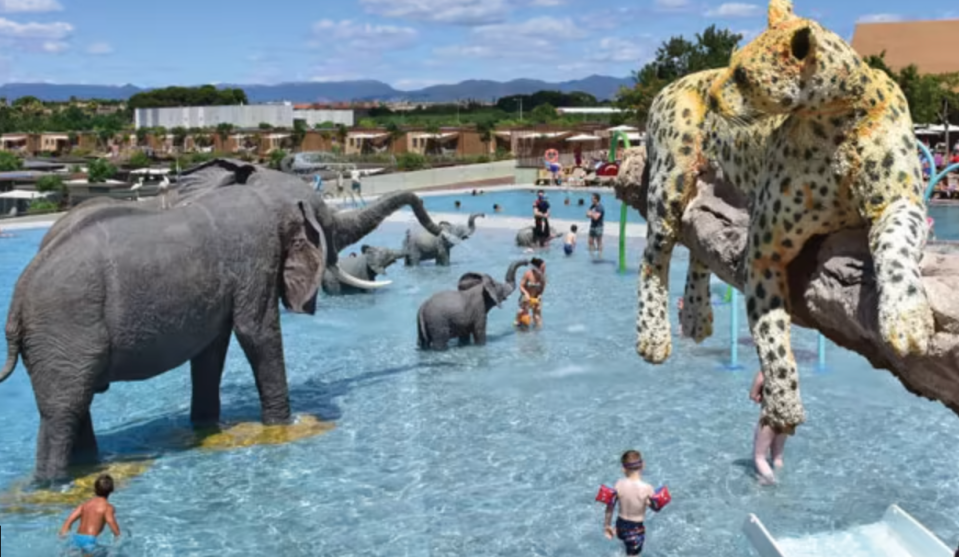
[406, 43]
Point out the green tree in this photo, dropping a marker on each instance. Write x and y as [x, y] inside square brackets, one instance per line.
[341, 134]
[205, 95]
[224, 130]
[486, 130]
[265, 126]
[928, 95]
[142, 135]
[368, 123]
[674, 59]
[276, 157]
[395, 132]
[543, 114]
[9, 162]
[298, 135]
[100, 170]
[179, 136]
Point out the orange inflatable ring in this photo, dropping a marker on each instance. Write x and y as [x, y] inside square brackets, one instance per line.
[551, 155]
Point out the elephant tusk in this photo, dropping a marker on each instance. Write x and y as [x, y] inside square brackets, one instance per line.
[349, 279]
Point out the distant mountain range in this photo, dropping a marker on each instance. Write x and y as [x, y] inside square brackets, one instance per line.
[602, 87]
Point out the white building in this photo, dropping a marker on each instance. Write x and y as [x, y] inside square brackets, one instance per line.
[241, 116]
[248, 116]
[312, 117]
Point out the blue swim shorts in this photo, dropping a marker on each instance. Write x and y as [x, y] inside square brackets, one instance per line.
[568, 249]
[86, 544]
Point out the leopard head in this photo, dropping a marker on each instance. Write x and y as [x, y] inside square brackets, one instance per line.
[795, 64]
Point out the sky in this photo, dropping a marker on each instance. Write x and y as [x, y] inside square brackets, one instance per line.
[407, 43]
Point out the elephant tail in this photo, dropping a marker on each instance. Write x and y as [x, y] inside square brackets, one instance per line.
[13, 340]
[422, 340]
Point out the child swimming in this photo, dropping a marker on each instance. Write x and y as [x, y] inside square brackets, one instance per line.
[632, 496]
[569, 243]
[93, 516]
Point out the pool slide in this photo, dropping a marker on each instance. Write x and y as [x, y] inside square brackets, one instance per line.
[896, 535]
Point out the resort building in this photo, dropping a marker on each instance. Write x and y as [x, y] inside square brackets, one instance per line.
[240, 116]
[923, 43]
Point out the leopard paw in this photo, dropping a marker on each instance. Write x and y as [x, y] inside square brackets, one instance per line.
[655, 342]
[697, 320]
[907, 325]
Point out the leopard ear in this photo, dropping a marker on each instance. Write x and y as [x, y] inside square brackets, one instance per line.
[780, 11]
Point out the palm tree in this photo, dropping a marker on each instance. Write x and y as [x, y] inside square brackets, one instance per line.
[486, 129]
[224, 130]
[396, 133]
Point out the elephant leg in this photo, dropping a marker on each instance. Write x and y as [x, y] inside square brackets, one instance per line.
[85, 448]
[443, 257]
[62, 429]
[465, 339]
[479, 333]
[412, 258]
[439, 338]
[259, 336]
[206, 371]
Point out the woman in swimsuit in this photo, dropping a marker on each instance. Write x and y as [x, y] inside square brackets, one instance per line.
[531, 288]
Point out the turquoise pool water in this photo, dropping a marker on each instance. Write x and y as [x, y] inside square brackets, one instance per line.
[496, 450]
[519, 203]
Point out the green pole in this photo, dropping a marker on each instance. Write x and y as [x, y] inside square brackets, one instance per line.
[618, 137]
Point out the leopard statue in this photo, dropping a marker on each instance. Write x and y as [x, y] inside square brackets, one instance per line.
[818, 142]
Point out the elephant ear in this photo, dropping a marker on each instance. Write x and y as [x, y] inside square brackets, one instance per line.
[469, 280]
[490, 289]
[304, 261]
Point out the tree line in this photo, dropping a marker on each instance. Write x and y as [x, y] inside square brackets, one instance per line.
[205, 95]
[932, 98]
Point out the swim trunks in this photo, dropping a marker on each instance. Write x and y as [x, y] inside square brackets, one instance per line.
[568, 249]
[596, 231]
[86, 544]
[633, 535]
[356, 186]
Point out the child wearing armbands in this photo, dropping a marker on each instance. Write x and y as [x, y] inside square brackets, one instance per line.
[632, 495]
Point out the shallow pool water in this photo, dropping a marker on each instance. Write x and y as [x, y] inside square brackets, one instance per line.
[495, 450]
[519, 203]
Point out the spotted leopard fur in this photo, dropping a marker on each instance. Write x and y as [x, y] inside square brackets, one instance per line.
[819, 142]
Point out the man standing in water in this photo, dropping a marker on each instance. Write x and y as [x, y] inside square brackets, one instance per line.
[541, 219]
[596, 215]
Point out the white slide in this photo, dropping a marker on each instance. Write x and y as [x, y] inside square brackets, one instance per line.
[896, 535]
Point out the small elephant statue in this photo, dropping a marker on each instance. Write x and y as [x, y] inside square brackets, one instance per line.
[524, 238]
[462, 313]
[423, 246]
[371, 262]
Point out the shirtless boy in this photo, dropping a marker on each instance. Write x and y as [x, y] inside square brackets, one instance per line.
[531, 288]
[569, 243]
[632, 496]
[93, 515]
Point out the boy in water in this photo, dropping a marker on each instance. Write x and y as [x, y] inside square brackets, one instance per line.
[531, 288]
[541, 232]
[766, 440]
[596, 214]
[632, 496]
[93, 515]
[569, 243]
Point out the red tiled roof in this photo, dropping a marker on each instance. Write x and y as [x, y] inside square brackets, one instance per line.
[930, 45]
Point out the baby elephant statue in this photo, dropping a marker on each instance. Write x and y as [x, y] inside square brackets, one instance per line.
[462, 313]
[370, 263]
[423, 246]
[524, 238]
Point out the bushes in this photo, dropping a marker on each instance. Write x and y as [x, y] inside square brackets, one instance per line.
[410, 161]
[9, 162]
[42, 206]
[139, 160]
[100, 170]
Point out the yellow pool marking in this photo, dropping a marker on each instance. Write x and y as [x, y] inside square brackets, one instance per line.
[19, 498]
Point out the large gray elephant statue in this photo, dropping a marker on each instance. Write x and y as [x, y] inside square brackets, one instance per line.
[367, 265]
[462, 313]
[422, 245]
[524, 238]
[126, 293]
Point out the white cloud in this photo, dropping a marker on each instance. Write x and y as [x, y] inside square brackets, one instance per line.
[615, 49]
[100, 48]
[466, 51]
[29, 6]
[670, 5]
[54, 47]
[350, 35]
[455, 12]
[56, 31]
[736, 9]
[879, 18]
[547, 3]
[544, 27]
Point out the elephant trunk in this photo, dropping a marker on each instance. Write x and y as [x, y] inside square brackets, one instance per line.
[350, 227]
[13, 340]
[472, 221]
[511, 272]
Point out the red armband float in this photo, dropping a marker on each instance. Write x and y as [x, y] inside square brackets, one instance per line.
[660, 499]
[606, 495]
